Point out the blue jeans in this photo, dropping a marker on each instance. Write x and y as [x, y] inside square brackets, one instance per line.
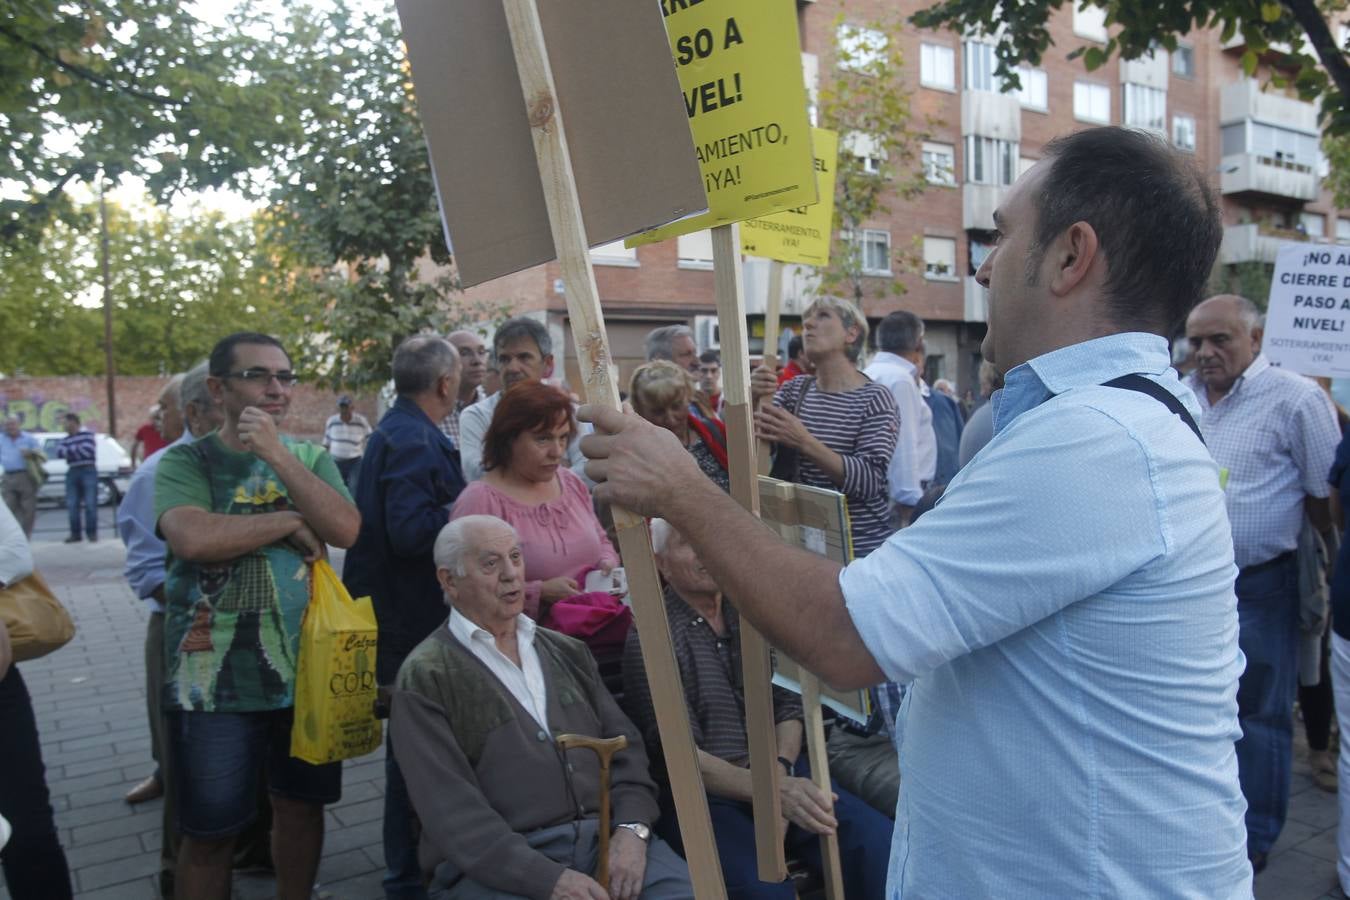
[403, 873]
[33, 861]
[1268, 637]
[82, 486]
[864, 846]
[218, 759]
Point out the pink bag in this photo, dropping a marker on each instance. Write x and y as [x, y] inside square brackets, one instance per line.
[600, 620]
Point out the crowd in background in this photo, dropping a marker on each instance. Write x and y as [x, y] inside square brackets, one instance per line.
[474, 495]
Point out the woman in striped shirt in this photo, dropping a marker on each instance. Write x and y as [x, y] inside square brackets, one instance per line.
[841, 423]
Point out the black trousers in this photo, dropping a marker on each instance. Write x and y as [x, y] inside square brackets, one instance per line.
[33, 861]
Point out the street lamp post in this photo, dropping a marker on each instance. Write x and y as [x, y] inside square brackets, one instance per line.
[109, 374]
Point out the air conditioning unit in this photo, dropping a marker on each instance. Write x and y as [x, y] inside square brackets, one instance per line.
[706, 333]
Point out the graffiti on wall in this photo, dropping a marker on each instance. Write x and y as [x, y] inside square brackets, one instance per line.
[39, 413]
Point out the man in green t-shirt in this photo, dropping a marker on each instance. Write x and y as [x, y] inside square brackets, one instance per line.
[243, 512]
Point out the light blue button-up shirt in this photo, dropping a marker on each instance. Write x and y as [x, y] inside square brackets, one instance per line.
[144, 568]
[11, 451]
[1067, 617]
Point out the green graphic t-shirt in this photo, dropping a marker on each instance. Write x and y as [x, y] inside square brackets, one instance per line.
[232, 629]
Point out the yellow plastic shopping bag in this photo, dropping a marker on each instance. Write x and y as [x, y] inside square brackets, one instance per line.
[335, 675]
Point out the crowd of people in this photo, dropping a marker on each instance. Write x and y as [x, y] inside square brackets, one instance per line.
[1082, 612]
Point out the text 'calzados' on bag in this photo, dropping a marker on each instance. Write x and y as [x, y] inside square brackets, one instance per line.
[335, 678]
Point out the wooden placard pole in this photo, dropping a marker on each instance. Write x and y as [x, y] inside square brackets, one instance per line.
[820, 773]
[588, 333]
[773, 306]
[755, 663]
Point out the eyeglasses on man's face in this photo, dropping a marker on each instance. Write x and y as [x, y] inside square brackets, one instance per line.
[262, 377]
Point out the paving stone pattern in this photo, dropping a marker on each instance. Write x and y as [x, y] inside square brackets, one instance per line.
[89, 698]
[90, 703]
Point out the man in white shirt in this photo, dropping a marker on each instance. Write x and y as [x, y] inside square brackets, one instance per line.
[1275, 434]
[524, 352]
[896, 367]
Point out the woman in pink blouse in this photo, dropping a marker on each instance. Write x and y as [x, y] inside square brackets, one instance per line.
[527, 483]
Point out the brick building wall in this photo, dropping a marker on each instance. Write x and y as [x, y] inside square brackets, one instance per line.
[654, 286]
[41, 403]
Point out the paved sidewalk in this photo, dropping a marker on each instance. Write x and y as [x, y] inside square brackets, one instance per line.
[90, 703]
[89, 698]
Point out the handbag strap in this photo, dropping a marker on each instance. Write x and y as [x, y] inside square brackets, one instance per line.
[1148, 386]
[797, 411]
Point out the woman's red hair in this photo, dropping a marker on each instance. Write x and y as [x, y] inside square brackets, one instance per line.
[527, 406]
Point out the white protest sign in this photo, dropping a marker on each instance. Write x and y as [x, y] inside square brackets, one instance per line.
[1308, 316]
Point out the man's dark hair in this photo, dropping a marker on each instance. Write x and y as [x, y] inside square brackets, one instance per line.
[794, 346]
[710, 356]
[520, 327]
[222, 354]
[420, 361]
[73, 417]
[900, 332]
[1155, 216]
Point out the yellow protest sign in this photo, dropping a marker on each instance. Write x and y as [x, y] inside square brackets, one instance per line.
[801, 234]
[740, 68]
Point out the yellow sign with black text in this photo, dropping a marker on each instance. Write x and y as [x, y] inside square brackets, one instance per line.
[740, 66]
[801, 234]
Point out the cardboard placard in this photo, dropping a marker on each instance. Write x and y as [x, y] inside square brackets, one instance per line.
[1308, 315]
[801, 234]
[629, 132]
[740, 69]
[817, 520]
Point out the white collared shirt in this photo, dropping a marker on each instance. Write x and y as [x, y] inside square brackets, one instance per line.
[1276, 434]
[526, 681]
[915, 458]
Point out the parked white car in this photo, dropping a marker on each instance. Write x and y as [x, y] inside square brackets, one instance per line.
[111, 459]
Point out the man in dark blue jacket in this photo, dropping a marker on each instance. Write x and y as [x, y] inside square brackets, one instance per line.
[408, 478]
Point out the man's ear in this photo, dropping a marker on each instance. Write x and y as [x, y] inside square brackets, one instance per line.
[1073, 255]
[216, 386]
[447, 583]
[1258, 333]
[548, 366]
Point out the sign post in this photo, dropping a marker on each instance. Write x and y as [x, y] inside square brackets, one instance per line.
[740, 69]
[800, 235]
[588, 332]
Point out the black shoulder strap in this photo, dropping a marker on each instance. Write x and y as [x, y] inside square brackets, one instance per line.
[1157, 392]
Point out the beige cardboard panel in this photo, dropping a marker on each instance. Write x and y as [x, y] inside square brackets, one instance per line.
[627, 127]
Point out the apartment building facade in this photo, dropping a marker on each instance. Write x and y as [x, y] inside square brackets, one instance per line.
[1259, 147]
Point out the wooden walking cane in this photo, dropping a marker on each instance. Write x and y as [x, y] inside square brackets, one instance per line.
[593, 359]
[604, 749]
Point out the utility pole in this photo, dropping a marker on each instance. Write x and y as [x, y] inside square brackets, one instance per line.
[109, 374]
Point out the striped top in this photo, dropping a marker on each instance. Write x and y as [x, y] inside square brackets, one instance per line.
[710, 673]
[77, 449]
[862, 426]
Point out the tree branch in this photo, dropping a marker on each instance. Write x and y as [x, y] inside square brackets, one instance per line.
[35, 209]
[83, 72]
[1310, 18]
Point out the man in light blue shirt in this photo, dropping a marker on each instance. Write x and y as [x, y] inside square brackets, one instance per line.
[20, 489]
[1065, 615]
[186, 401]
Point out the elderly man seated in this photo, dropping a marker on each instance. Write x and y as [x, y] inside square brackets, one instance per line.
[476, 708]
[706, 634]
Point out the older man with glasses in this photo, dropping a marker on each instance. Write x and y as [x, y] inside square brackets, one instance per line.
[243, 511]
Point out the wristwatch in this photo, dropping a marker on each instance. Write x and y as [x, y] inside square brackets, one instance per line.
[642, 831]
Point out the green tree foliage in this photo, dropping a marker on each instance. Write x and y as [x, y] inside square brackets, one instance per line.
[1271, 29]
[356, 206]
[177, 285]
[865, 101]
[138, 87]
